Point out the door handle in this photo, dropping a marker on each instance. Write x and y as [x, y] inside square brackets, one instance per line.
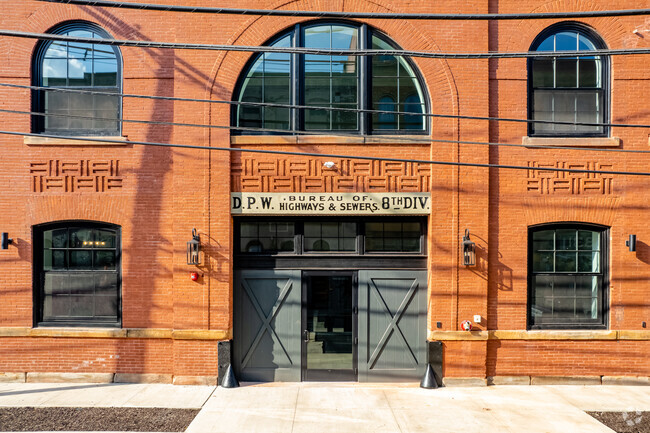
[305, 335]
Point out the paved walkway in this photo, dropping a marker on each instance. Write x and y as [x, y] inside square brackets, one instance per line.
[341, 408]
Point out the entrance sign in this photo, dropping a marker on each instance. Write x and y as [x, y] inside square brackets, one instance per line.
[320, 203]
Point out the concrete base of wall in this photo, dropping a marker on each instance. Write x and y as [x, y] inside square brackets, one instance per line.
[565, 380]
[12, 377]
[463, 381]
[142, 378]
[626, 380]
[508, 380]
[69, 377]
[195, 380]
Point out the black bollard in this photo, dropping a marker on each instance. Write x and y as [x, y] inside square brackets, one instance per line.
[229, 379]
[429, 380]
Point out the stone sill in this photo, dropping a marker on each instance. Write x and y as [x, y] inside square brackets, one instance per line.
[572, 141]
[174, 334]
[538, 335]
[329, 139]
[31, 140]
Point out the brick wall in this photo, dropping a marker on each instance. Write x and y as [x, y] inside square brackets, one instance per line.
[158, 195]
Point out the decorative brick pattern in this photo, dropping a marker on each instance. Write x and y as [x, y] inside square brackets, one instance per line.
[70, 176]
[282, 175]
[545, 181]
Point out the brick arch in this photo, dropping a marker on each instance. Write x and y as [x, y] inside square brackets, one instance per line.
[610, 29]
[46, 17]
[437, 75]
[51, 208]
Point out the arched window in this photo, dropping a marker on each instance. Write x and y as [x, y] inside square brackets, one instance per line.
[569, 89]
[77, 66]
[567, 271]
[77, 273]
[335, 83]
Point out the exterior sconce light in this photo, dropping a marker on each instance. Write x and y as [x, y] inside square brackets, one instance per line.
[630, 243]
[6, 241]
[469, 250]
[193, 249]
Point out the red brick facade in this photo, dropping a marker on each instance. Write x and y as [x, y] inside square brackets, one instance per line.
[158, 194]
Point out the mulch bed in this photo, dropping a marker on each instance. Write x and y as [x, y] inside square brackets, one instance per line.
[95, 419]
[625, 422]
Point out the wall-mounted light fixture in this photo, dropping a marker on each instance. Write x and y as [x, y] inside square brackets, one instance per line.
[6, 241]
[631, 243]
[193, 249]
[469, 250]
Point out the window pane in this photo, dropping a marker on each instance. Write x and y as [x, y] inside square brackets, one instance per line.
[81, 238]
[105, 260]
[56, 284]
[54, 259]
[543, 262]
[565, 262]
[105, 306]
[80, 259]
[566, 41]
[543, 72]
[589, 72]
[105, 239]
[588, 240]
[82, 283]
[565, 239]
[81, 306]
[106, 284]
[588, 262]
[55, 72]
[55, 238]
[544, 240]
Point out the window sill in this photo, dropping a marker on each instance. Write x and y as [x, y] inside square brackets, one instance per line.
[329, 139]
[572, 141]
[31, 140]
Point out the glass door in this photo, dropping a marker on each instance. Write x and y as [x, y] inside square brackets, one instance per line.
[329, 348]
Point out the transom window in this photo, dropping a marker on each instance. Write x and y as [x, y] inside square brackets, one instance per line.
[567, 277]
[77, 66]
[78, 267]
[569, 89]
[387, 83]
[351, 236]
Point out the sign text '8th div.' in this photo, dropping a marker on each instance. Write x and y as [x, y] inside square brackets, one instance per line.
[261, 203]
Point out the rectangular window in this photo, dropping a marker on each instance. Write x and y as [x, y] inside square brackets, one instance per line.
[266, 237]
[78, 279]
[567, 277]
[401, 237]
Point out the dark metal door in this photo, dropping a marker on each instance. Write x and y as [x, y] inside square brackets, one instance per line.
[329, 351]
[267, 331]
[392, 325]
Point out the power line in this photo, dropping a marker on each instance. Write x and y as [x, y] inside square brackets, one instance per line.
[357, 15]
[384, 139]
[324, 52]
[316, 107]
[329, 155]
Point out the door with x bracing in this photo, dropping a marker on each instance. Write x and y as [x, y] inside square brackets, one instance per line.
[392, 325]
[267, 328]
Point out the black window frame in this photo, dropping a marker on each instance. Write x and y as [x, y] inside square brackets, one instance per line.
[364, 88]
[359, 258]
[38, 274]
[38, 96]
[599, 43]
[604, 267]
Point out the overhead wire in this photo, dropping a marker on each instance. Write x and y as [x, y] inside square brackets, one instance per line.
[356, 15]
[328, 155]
[323, 108]
[322, 51]
[376, 138]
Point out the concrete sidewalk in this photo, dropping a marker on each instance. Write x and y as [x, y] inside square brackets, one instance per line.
[347, 407]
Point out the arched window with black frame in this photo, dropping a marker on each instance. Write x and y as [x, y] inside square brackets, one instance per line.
[77, 66]
[339, 87]
[77, 274]
[568, 276]
[568, 89]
